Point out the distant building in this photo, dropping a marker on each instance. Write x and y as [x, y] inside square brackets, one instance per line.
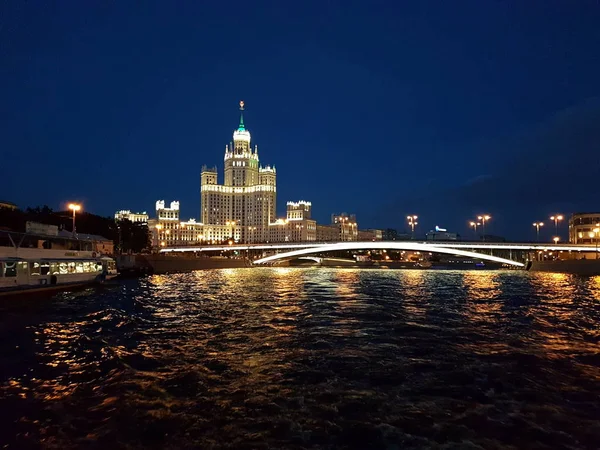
[166, 223]
[328, 233]
[100, 244]
[582, 226]
[7, 205]
[441, 234]
[133, 217]
[377, 234]
[346, 225]
[42, 229]
[366, 235]
[298, 226]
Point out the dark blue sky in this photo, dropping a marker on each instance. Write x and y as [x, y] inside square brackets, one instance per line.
[441, 109]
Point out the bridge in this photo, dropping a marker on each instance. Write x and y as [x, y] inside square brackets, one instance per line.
[513, 254]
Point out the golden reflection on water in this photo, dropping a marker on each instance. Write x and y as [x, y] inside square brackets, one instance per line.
[481, 285]
[413, 286]
[346, 281]
[594, 287]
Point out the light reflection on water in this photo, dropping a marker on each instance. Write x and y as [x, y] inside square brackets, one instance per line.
[307, 358]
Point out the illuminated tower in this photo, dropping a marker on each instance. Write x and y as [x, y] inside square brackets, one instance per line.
[245, 203]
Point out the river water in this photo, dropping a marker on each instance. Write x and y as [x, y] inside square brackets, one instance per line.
[306, 358]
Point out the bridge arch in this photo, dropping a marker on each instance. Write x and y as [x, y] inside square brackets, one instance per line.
[387, 245]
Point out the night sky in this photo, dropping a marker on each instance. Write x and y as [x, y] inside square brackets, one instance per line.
[441, 109]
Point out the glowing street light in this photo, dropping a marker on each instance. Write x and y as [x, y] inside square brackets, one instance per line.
[158, 228]
[484, 218]
[594, 235]
[556, 239]
[474, 225]
[74, 207]
[537, 226]
[556, 218]
[412, 222]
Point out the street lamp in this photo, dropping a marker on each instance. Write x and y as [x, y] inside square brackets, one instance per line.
[412, 222]
[474, 225]
[484, 218]
[158, 228]
[74, 207]
[556, 219]
[537, 226]
[594, 235]
[556, 239]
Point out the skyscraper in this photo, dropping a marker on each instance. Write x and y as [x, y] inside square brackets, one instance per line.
[245, 204]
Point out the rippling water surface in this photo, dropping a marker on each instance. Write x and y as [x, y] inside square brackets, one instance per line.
[306, 358]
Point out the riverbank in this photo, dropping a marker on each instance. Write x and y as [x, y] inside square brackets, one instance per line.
[586, 267]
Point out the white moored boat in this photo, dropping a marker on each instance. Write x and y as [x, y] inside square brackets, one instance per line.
[23, 269]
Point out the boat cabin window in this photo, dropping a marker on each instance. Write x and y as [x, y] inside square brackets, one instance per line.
[10, 269]
[22, 266]
[45, 268]
[71, 267]
[62, 268]
[54, 268]
[79, 267]
[35, 268]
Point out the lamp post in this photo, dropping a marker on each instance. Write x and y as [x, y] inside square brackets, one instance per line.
[158, 228]
[556, 239]
[74, 207]
[537, 226]
[556, 218]
[594, 235]
[412, 222]
[474, 225]
[484, 218]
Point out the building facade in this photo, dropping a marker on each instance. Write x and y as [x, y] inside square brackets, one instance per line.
[347, 226]
[298, 226]
[584, 228]
[245, 204]
[125, 214]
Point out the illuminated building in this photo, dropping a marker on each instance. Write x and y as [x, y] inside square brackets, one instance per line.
[346, 225]
[298, 226]
[7, 205]
[244, 205]
[133, 217]
[582, 228]
[441, 234]
[343, 227]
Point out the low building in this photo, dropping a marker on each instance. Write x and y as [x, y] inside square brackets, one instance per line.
[584, 228]
[42, 229]
[441, 234]
[126, 214]
[7, 205]
[100, 244]
[377, 234]
[346, 225]
[328, 233]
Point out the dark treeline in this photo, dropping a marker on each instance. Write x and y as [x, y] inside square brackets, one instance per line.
[125, 234]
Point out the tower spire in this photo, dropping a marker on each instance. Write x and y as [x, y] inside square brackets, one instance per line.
[241, 127]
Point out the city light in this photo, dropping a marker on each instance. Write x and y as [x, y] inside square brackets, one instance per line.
[74, 207]
[556, 239]
[412, 222]
[556, 218]
[484, 218]
[474, 225]
[537, 226]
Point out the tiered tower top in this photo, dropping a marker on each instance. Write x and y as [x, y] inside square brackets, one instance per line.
[241, 134]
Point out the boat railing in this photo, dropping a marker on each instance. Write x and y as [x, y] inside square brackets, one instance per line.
[15, 239]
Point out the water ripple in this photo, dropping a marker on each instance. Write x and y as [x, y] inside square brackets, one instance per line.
[307, 358]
